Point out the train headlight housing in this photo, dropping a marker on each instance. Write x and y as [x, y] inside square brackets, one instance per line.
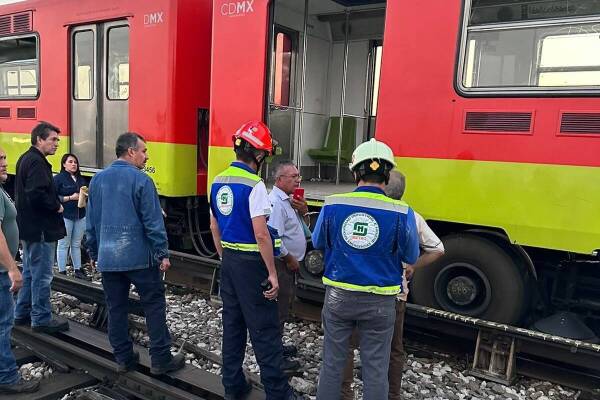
[314, 262]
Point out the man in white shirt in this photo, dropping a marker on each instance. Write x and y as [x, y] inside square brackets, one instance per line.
[432, 248]
[287, 216]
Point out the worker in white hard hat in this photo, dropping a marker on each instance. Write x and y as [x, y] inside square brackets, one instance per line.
[366, 236]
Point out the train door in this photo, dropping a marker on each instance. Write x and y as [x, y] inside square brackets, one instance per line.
[283, 103]
[324, 76]
[99, 90]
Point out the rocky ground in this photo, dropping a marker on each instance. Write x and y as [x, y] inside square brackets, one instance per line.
[36, 370]
[192, 318]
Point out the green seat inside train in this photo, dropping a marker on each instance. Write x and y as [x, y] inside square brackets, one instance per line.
[328, 153]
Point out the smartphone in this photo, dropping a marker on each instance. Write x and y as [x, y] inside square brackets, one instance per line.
[266, 285]
[298, 193]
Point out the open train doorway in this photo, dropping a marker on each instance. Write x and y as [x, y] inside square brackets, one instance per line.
[99, 91]
[323, 84]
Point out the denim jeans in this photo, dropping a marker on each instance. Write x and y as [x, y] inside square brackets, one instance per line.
[75, 231]
[34, 297]
[150, 286]
[373, 315]
[9, 373]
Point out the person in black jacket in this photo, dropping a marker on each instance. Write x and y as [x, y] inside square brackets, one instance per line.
[39, 217]
[68, 183]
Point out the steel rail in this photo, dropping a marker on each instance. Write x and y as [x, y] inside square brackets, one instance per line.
[89, 292]
[533, 348]
[87, 349]
[99, 367]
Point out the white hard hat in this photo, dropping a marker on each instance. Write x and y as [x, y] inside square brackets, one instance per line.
[372, 150]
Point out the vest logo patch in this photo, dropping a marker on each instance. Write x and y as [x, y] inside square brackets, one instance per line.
[360, 230]
[225, 200]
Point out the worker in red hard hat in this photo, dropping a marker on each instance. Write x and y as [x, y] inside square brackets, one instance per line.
[240, 207]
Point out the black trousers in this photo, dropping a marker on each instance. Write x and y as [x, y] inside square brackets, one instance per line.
[246, 309]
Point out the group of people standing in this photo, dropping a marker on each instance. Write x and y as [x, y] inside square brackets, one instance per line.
[126, 240]
[372, 243]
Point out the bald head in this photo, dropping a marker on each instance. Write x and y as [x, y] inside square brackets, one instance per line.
[396, 185]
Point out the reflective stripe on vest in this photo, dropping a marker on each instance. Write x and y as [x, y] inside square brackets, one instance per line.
[369, 200]
[228, 179]
[246, 246]
[382, 290]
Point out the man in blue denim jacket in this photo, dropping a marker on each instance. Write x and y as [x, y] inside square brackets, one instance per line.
[126, 237]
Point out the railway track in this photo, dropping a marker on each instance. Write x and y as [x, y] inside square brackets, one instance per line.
[497, 352]
[82, 357]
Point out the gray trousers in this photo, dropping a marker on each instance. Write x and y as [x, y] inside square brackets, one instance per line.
[373, 315]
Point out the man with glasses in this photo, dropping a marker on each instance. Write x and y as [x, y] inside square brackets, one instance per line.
[40, 222]
[288, 217]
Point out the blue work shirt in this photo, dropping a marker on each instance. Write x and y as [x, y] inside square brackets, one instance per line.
[366, 236]
[125, 227]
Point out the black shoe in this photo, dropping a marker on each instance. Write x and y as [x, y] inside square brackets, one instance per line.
[289, 350]
[129, 365]
[288, 365]
[79, 274]
[23, 321]
[55, 325]
[20, 387]
[62, 272]
[242, 395]
[177, 362]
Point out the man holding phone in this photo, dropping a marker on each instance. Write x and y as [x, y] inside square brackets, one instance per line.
[288, 216]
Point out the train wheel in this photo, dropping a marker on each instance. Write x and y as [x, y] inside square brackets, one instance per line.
[475, 277]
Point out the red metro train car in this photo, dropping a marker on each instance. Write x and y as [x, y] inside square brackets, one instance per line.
[490, 106]
[99, 68]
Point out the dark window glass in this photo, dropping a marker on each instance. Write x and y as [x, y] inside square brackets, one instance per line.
[497, 11]
[118, 63]
[83, 65]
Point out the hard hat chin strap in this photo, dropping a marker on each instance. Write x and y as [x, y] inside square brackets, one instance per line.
[256, 161]
[253, 153]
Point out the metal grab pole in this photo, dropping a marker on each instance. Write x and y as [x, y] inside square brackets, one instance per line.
[343, 105]
[302, 86]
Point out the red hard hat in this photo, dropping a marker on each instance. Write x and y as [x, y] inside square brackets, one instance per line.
[257, 134]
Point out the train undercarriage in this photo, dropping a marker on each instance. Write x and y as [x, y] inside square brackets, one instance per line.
[481, 275]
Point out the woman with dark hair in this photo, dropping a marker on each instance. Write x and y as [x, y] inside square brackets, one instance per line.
[68, 184]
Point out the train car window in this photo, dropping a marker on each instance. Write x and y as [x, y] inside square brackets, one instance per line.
[118, 63]
[570, 60]
[283, 68]
[377, 51]
[83, 66]
[19, 67]
[504, 50]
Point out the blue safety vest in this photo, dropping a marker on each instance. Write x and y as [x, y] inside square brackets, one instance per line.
[366, 236]
[229, 203]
